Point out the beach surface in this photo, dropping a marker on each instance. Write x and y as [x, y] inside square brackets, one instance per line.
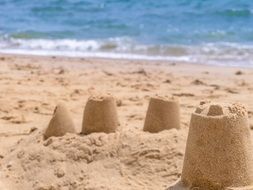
[31, 86]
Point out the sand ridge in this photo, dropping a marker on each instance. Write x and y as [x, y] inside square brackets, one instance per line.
[96, 161]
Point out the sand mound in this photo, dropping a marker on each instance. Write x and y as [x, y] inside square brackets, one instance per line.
[130, 160]
[61, 122]
[219, 149]
[100, 115]
[163, 113]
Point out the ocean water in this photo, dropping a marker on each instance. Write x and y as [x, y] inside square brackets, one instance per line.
[201, 31]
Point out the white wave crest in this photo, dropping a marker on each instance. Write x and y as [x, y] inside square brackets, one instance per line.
[231, 54]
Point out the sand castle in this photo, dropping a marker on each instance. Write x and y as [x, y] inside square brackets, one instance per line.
[100, 115]
[218, 154]
[219, 150]
[163, 113]
[61, 122]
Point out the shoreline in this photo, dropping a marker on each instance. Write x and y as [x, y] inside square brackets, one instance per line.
[121, 60]
[124, 56]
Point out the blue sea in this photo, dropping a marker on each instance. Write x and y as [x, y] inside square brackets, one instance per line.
[203, 31]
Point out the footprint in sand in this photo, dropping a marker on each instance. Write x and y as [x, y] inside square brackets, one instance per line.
[198, 82]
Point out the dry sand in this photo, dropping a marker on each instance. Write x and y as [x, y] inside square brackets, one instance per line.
[131, 159]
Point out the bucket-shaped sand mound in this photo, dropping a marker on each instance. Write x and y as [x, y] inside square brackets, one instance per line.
[163, 113]
[219, 149]
[61, 122]
[100, 115]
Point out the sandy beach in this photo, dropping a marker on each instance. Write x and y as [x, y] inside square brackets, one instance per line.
[31, 86]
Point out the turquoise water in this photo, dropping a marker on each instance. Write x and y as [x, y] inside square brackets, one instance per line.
[205, 31]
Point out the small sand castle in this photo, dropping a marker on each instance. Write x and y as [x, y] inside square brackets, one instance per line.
[219, 150]
[100, 115]
[163, 113]
[61, 122]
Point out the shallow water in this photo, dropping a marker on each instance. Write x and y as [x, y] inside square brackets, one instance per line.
[205, 31]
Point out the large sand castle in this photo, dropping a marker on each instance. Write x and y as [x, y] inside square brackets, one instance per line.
[219, 151]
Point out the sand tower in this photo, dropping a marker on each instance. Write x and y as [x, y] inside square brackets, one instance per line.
[163, 113]
[61, 122]
[219, 150]
[100, 115]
